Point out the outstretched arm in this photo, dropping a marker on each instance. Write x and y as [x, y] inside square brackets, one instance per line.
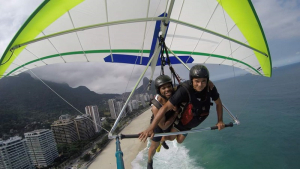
[219, 107]
[160, 114]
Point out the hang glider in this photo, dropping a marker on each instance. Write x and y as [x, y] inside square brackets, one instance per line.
[224, 32]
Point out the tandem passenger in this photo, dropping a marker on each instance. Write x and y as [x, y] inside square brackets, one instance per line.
[164, 90]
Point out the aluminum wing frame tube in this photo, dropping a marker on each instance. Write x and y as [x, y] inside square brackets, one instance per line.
[184, 132]
[86, 28]
[217, 34]
[126, 103]
[119, 155]
[163, 28]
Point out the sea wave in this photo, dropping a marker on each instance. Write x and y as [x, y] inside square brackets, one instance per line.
[177, 156]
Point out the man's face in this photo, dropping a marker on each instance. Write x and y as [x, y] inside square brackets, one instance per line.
[199, 84]
[166, 90]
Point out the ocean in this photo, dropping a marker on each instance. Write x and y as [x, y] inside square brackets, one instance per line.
[268, 135]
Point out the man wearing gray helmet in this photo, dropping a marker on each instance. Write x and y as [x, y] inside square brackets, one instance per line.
[195, 95]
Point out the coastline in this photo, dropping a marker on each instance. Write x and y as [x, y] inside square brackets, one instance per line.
[130, 147]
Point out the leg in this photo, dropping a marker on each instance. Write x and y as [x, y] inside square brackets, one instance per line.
[180, 138]
[151, 152]
[172, 137]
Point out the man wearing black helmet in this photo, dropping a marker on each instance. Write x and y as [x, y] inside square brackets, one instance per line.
[164, 90]
[195, 95]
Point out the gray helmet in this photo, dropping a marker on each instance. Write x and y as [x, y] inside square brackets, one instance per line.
[199, 71]
[161, 80]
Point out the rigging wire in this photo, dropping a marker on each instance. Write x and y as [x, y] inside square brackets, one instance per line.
[231, 52]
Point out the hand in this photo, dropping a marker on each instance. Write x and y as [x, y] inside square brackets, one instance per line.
[220, 125]
[145, 134]
[210, 85]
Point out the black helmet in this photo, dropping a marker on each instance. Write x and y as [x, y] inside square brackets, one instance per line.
[199, 71]
[161, 80]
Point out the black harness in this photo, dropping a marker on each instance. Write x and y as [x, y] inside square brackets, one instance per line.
[200, 107]
[158, 106]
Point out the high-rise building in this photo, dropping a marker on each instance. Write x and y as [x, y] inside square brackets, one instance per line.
[41, 147]
[129, 107]
[137, 97]
[84, 127]
[14, 154]
[119, 106]
[94, 113]
[112, 108]
[135, 104]
[147, 97]
[64, 130]
[142, 99]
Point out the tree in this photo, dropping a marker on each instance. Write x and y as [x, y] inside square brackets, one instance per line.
[94, 150]
[87, 157]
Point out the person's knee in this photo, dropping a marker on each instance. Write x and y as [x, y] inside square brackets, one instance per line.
[180, 139]
[171, 138]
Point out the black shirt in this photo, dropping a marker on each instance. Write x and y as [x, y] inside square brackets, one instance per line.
[197, 98]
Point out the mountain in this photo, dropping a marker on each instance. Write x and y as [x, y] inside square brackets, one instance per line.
[24, 100]
[142, 89]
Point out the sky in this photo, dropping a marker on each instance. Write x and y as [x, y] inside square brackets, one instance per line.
[280, 20]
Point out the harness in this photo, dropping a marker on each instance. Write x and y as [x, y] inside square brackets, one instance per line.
[192, 115]
[158, 105]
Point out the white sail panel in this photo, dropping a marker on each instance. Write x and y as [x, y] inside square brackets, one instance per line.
[98, 36]
[127, 36]
[66, 43]
[89, 13]
[123, 10]
[97, 57]
[75, 58]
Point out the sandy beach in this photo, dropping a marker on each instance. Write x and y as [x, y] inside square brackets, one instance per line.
[130, 147]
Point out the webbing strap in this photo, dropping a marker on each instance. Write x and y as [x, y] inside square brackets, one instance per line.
[167, 60]
[156, 104]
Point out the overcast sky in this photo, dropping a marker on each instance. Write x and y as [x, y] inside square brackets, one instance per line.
[280, 20]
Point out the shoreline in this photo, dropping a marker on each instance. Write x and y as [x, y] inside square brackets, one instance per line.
[129, 147]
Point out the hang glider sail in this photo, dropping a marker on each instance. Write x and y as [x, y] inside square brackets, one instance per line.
[224, 32]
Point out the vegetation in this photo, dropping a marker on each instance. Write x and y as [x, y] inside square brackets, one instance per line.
[86, 157]
[26, 104]
[94, 150]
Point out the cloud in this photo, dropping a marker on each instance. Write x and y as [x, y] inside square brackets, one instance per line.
[98, 77]
[279, 18]
[13, 14]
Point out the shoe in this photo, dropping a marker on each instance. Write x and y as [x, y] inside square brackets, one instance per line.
[150, 165]
[165, 145]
